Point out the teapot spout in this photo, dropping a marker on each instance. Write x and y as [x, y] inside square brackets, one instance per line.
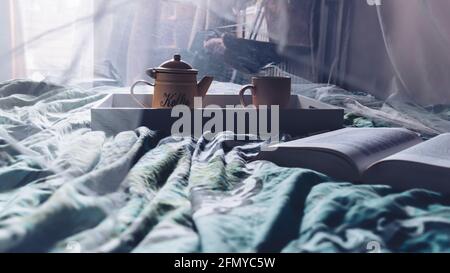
[204, 85]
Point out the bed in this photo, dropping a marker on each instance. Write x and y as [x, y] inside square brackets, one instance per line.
[65, 188]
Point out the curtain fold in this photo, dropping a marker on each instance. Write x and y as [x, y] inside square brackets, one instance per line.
[5, 41]
[18, 56]
[144, 37]
[11, 45]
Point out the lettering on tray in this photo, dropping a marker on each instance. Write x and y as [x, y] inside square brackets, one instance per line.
[174, 99]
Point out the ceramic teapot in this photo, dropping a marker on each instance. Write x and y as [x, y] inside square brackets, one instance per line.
[175, 84]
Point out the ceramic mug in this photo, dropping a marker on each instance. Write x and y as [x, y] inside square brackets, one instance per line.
[268, 91]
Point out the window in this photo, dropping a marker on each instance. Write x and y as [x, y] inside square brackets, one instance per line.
[57, 35]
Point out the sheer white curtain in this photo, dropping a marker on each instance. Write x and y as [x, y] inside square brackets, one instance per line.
[418, 37]
[73, 41]
[102, 41]
[55, 34]
[48, 39]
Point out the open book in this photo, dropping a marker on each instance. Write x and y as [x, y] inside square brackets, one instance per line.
[390, 156]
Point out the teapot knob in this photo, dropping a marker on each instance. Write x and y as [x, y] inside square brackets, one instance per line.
[177, 57]
[152, 73]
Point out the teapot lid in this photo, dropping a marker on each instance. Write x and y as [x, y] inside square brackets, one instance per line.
[176, 65]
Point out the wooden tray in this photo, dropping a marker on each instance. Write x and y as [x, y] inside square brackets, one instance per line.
[120, 112]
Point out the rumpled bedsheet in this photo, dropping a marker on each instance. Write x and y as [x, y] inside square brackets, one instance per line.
[64, 188]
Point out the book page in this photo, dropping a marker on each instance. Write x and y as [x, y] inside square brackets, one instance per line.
[363, 146]
[434, 152]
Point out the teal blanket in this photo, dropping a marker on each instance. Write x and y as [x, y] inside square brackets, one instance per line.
[64, 188]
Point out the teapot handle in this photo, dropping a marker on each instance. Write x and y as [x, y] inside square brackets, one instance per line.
[133, 95]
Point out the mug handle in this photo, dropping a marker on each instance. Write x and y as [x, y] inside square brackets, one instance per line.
[132, 91]
[242, 92]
